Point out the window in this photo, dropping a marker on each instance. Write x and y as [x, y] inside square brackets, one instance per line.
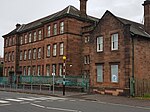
[99, 73]
[99, 44]
[6, 42]
[13, 56]
[49, 31]
[20, 55]
[87, 39]
[13, 41]
[25, 39]
[54, 69]
[48, 70]
[61, 48]
[30, 37]
[21, 40]
[33, 70]
[29, 71]
[10, 42]
[54, 50]
[25, 55]
[6, 56]
[114, 73]
[61, 27]
[40, 34]
[48, 50]
[9, 56]
[60, 69]
[55, 29]
[114, 42]
[34, 37]
[39, 53]
[87, 59]
[29, 54]
[24, 71]
[34, 53]
[39, 70]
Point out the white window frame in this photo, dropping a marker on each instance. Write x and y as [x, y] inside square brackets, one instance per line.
[61, 27]
[20, 55]
[13, 56]
[40, 35]
[21, 40]
[30, 37]
[86, 59]
[29, 54]
[25, 55]
[54, 68]
[34, 36]
[55, 29]
[25, 39]
[39, 53]
[54, 49]
[114, 73]
[100, 73]
[48, 50]
[49, 31]
[33, 70]
[29, 70]
[87, 39]
[9, 56]
[34, 53]
[60, 69]
[24, 71]
[114, 41]
[61, 49]
[10, 41]
[39, 70]
[99, 44]
[48, 70]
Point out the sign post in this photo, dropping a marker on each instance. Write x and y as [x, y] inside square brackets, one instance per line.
[64, 74]
[53, 74]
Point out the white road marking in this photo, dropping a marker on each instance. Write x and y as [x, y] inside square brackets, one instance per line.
[1, 101]
[123, 105]
[72, 100]
[28, 99]
[61, 109]
[24, 102]
[15, 100]
[4, 105]
[37, 105]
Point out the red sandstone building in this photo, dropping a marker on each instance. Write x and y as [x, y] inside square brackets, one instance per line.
[108, 50]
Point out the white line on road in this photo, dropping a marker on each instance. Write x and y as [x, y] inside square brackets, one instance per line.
[4, 105]
[1, 101]
[37, 105]
[26, 99]
[61, 109]
[14, 100]
[24, 102]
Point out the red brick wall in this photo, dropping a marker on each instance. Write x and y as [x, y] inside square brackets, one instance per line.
[109, 25]
[142, 58]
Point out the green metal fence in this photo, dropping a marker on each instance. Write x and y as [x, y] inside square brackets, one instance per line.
[76, 81]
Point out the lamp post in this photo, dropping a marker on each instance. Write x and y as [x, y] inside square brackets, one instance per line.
[64, 73]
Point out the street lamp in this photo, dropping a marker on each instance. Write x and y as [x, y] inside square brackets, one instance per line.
[64, 73]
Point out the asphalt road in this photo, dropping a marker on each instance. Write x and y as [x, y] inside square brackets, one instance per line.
[20, 102]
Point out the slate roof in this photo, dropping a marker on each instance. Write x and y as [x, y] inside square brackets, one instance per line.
[68, 11]
[135, 28]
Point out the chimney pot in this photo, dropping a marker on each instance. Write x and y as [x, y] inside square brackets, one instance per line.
[83, 5]
[18, 25]
[147, 15]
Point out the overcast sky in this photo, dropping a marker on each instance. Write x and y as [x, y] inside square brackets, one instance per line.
[25, 11]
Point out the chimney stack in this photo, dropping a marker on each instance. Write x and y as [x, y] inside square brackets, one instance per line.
[18, 25]
[147, 16]
[83, 4]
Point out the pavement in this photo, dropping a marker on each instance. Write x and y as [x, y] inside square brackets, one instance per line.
[118, 100]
